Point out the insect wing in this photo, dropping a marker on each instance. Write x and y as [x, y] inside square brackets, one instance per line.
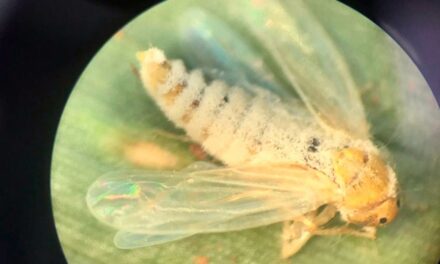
[299, 47]
[213, 44]
[128, 240]
[312, 62]
[163, 207]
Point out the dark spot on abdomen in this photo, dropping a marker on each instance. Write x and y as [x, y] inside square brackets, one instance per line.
[195, 103]
[312, 149]
[315, 142]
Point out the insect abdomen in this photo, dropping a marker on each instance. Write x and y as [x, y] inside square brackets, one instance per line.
[209, 113]
[232, 124]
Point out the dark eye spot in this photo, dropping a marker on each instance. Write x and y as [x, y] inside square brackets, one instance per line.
[398, 203]
[383, 220]
[226, 99]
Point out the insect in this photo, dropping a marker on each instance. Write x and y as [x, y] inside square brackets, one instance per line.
[282, 163]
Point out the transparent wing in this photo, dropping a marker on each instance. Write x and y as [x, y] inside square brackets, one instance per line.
[215, 46]
[128, 240]
[291, 42]
[164, 206]
[312, 62]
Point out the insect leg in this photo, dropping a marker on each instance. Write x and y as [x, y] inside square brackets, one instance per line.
[195, 149]
[366, 231]
[325, 215]
[297, 232]
[170, 135]
[294, 237]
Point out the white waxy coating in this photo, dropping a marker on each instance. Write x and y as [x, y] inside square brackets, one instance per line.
[239, 126]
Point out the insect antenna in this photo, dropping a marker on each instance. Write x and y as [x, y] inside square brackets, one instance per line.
[375, 253]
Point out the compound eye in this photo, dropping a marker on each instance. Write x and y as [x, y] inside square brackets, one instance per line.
[383, 220]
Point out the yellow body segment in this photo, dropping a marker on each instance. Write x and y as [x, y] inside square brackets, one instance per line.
[369, 198]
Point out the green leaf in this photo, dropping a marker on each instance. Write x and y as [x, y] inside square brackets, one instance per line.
[109, 112]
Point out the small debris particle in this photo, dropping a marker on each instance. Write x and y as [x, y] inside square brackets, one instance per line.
[201, 260]
[119, 35]
[198, 151]
[149, 155]
[135, 71]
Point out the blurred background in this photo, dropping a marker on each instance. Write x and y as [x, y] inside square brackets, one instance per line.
[44, 47]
